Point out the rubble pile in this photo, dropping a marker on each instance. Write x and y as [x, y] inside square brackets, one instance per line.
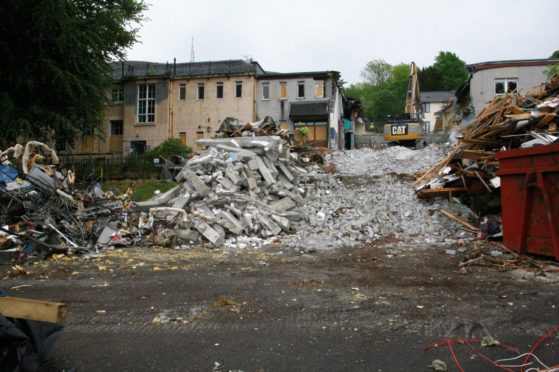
[42, 211]
[509, 121]
[397, 159]
[372, 199]
[241, 187]
[233, 127]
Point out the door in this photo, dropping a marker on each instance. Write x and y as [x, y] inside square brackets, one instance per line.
[116, 128]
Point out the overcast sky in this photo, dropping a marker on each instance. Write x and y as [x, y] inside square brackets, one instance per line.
[302, 35]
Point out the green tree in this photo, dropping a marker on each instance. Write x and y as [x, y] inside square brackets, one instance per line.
[429, 79]
[555, 55]
[54, 69]
[451, 70]
[377, 72]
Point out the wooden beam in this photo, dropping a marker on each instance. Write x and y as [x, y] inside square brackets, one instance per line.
[24, 308]
[459, 219]
[444, 191]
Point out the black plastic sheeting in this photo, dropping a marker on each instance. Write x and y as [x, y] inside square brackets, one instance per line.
[24, 344]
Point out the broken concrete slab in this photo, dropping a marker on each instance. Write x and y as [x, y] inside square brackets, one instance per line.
[283, 204]
[209, 233]
[196, 182]
[264, 171]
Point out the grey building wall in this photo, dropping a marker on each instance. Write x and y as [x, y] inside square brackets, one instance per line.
[482, 85]
[279, 109]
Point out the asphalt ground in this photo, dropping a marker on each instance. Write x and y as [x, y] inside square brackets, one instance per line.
[372, 308]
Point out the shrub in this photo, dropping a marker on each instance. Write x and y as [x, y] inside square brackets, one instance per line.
[171, 146]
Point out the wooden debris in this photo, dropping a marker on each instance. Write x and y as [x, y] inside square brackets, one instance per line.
[459, 219]
[24, 308]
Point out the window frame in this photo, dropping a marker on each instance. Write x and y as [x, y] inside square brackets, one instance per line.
[219, 85]
[200, 97]
[182, 92]
[119, 92]
[149, 104]
[505, 82]
[238, 93]
[111, 122]
[300, 83]
[265, 84]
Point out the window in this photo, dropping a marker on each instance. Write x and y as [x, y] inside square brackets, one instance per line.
[283, 90]
[200, 94]
[116, 127]
[219, 89]
[265, 91]
[300, 89]
[146, 103]
[319, 89]
[182, 92]
[507, 85]
[238, 89]
[117, 96]
[426, 107]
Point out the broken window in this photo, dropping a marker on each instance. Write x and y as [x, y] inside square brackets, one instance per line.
[146, 103]
[200, 94]
[117, 96]
[116, 127]
[319, 89]
[238, 89]
[283, 90]
[219, 89]
[265, 91]
[300, 89]
[506, 85]
[182, 92]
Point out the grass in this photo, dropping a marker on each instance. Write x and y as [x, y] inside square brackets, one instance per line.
[143, 190]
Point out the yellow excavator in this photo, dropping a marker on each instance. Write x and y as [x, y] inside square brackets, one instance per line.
[407, 129]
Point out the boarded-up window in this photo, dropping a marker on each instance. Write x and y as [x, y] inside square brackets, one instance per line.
[283, 124]
[199, 135]
[319, 89]
[283, 90]
[182, 137]
[116, 128]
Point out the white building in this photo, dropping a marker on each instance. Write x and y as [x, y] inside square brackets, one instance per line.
[490, 79]
[433, 102]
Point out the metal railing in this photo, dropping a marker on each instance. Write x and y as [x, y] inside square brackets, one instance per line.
[110, 166]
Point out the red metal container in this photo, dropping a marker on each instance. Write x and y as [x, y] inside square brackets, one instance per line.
[530, 199]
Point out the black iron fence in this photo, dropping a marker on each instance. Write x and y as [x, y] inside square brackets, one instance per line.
[110, 166]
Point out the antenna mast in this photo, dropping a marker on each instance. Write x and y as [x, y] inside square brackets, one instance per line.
[192, 57]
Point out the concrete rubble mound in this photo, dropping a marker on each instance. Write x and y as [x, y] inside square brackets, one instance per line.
[245, 186]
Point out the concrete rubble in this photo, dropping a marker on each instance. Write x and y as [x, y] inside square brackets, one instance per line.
[242, 192]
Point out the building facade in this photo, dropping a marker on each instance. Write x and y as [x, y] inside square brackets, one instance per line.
[151, 102]
[433, 102]
[490, 79]
[303, 99]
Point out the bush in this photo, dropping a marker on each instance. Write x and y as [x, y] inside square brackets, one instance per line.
[170, 147]
[304, 131]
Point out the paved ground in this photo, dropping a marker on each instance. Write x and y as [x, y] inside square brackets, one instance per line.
[373, 308]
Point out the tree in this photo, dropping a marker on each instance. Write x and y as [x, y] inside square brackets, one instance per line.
[54, 70]
[451, 70]
[377, 72]
[429, 79]
[555, 55]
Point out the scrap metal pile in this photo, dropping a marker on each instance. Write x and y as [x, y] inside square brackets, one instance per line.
[508, 121]
[41, 209]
